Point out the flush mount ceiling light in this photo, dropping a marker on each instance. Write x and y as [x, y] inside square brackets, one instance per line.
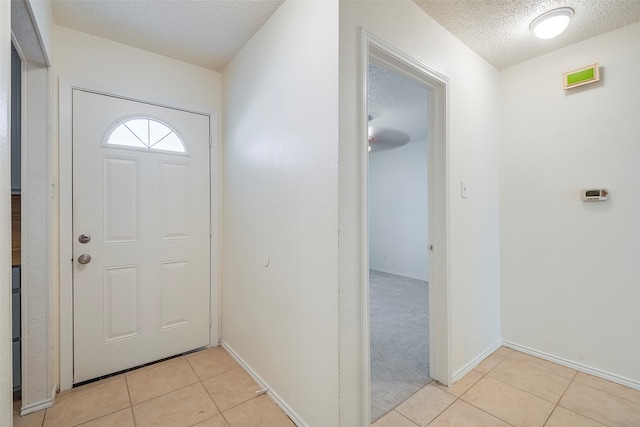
[552, 23]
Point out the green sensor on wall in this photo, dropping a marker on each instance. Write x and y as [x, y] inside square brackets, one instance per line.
[582, 76]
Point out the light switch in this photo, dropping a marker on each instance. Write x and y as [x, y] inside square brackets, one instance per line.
[464, 189]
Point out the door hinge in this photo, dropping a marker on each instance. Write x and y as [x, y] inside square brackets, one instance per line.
[210, 230]
[210, 319]
[210, 141]
[430, 247]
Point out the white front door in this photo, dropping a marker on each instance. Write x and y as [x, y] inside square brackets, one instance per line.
[141, 248]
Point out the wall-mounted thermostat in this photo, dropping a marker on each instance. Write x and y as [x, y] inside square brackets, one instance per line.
[594, 194]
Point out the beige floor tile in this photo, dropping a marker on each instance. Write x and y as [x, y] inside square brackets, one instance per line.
[217, 421]
[159, 380]
[180, 408]
[462, 414]
[601, 406]
[503, 352]
[88, 404]
[30, 420]
[565, 418]
[608, 386]
[211, 362]
[533, 380]
[463, 384]
[508, 403]
[545, 365]
[257, 412]
[393, 419]
[425, 405]
[231, 388]
[123, 418]
[488, 364]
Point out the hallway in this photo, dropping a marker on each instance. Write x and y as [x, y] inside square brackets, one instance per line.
[205, 389]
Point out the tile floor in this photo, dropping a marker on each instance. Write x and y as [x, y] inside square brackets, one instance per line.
[209, 389]
[203, 389]
[510, 388]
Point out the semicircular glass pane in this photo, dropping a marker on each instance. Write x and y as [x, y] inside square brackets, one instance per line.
[146, 133]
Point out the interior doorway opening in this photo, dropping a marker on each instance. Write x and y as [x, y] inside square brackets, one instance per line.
[398, 211]
[436, 260]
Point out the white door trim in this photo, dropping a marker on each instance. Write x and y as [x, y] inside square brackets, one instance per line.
[66, 218]
[373, 48]
[39, 382]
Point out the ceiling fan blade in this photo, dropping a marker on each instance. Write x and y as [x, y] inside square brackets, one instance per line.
[386, 139]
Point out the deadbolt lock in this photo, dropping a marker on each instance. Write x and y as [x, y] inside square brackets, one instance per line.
[84, 238]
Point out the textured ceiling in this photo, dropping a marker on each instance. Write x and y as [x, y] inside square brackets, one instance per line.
[22, 29]
[205, 33]
[209, 33]
[498, 30]
[397, 105]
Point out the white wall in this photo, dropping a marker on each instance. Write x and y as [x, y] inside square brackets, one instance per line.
[6, 383]
[280, 189]
[87, 60]
[473, 155]
[398, 210]
[570, 269]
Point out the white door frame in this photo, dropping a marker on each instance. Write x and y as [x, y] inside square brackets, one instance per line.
[38, 325]
[375, 49]
[66, 212]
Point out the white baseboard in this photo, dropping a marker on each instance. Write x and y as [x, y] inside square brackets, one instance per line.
[574, 365]
[395, 273]
[273, 395]
[35, 407]
[475, 362]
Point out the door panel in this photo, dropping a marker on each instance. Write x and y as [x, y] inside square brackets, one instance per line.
[121, 303]
[174, 203]
[120, 199]
[144, 295]
[173, 297]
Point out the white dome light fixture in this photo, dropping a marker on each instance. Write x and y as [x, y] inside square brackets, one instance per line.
[552, 23]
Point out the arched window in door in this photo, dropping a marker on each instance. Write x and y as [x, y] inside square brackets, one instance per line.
[147, 134]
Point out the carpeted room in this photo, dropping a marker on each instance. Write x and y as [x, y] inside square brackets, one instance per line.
[398, 238]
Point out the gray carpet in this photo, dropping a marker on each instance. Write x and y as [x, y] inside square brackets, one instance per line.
[399, 313]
